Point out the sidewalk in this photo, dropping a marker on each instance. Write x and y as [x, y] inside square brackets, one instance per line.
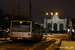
[57, 37]
[67, 45]
[3, 40]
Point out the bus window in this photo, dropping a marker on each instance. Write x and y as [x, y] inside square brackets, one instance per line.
[23, 27]
[36, 29]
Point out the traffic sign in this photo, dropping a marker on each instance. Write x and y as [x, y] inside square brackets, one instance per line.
[70, 23]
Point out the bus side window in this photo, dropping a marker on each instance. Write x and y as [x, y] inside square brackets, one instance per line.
[33, 29]
[36, 29]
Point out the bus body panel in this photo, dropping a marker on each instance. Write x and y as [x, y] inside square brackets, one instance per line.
[33, 34]
[21, 34]
[20, 38]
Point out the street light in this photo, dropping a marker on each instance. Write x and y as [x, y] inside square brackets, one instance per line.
[47, 13]
[51, 13]
[51, 22]
[56, 13]
[46, 24]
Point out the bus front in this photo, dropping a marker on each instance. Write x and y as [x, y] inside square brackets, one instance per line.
[20, 30]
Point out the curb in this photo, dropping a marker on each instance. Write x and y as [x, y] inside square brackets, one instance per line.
[1, 42]
[3, 39]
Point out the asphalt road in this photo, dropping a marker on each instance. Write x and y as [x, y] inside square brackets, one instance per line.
[17, 45]
[25, 45]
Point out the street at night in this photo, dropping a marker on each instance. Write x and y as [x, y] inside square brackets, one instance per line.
[37, 25]
[33, 45]
[25, 45]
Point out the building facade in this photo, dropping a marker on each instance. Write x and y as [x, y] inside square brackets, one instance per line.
[57, 23]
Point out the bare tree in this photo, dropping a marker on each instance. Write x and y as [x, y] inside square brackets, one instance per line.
[13, 8]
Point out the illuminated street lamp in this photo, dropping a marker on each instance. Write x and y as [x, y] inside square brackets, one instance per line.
[46, 24]
[51, 22]
[51, 13]
[56, 13]
[47, 13]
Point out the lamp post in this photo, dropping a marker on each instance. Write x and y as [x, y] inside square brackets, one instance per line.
[56, 13]
[46, 24]
[51, 22]
[6, 18]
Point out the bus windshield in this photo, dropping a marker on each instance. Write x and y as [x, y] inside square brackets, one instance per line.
[20, 27]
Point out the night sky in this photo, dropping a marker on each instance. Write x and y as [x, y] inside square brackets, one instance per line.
[65, 8]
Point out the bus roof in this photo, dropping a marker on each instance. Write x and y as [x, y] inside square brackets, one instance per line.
[24, 20]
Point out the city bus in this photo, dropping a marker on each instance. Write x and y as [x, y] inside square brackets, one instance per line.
[25, 30]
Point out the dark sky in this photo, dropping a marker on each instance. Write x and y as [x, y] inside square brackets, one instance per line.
[65, 8]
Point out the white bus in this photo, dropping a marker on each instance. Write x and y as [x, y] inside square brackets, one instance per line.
[25, 30]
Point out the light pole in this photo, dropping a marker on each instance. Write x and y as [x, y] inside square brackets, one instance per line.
[6, 18]
[51, 22]
[46, 24]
